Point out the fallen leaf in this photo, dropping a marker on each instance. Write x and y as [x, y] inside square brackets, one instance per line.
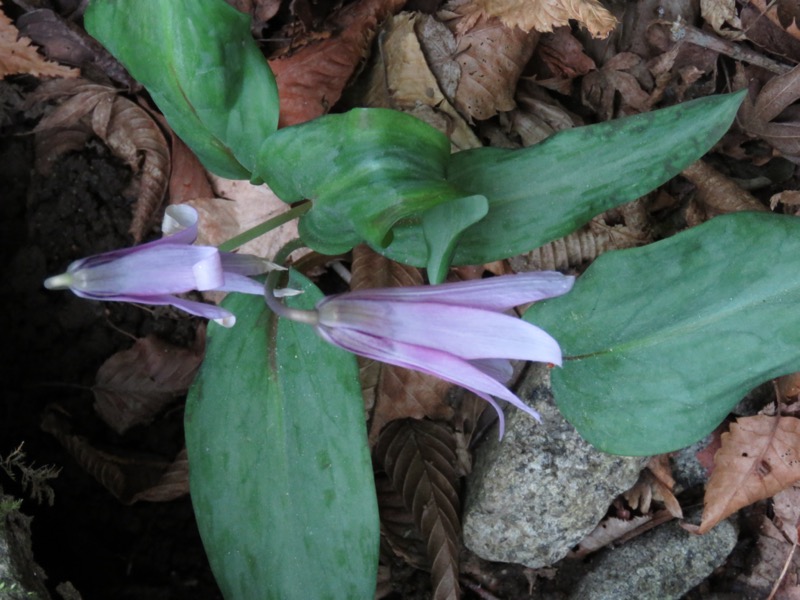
[614, 90]
[543, 15]
[127, 129]
[401, 80]
[134, 385]
[762, 118]
[760, 456]
[391, 392]
[719, 193]
[311, 80]
[188, 178]
[172, 484]
[17, 56]
[122, 475]
[607, 532]
[492, 56]
[722, 16]
[419, 458]
[560, 56]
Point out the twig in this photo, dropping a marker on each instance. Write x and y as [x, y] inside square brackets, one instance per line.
[681, 32]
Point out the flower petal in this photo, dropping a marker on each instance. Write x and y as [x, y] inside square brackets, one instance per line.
[199, 309]
[495, 293]
[247, 264]
[426, 360]
[154, 270]
[469, 333]
[179, 225]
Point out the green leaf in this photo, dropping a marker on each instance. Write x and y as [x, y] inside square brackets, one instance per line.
[548, 190]
[280, 474]
[661, 342]
[364, 170]
[442, 225]
[198, 60]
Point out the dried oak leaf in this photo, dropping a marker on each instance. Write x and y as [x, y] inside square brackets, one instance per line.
[134, 385]
[723, 18]
[17, 56]
[760, 456]
[392, 392]
[127, 129]
[492, 56]
[543, 15]
[311, 80]
[419, 458]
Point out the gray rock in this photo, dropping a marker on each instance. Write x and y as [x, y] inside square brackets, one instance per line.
[662, 564]
[534, 495]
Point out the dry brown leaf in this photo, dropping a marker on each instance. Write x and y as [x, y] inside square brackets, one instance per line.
[260, 10]
[608, 531]
[400, 78]
[188, 179]
[123, 476]
[631, 229]
[491, 56]
[134, 385]
[614, 90]
[127, 129]
[17, 56]
[544, 15]
[561, 56]
[762, 117]
[783, 13]
[719, 193]
[655, 483]
[173, 484]
[760, 456]
[786, 512]
[311, 80]
[419, 458]
[722, 16]
[237, 206]
[392, 392]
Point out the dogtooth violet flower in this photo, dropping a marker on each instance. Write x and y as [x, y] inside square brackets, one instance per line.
[154, 272]
[457, 332]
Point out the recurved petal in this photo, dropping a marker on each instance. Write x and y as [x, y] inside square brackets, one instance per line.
[469, 333]
[495, 293]
[200, 309]
[179, 225]
[148, 270]
[427, 360]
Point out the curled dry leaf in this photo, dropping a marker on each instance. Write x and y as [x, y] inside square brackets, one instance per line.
[719, 193]
[760, 456]
[722, 16]
[134, 385]
[419, 458]
[391, 392]
[173, 484]
[311, 80]
[543, 15]
[491, 56]
[123, 476]
[587, 243]
[614, 89]
[607, 532]
[655, 483]
[126, 128]
[17, 56]
[400, 78]
[762, 118]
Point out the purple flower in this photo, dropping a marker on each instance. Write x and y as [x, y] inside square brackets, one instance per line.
[454, 331]
[152, 273]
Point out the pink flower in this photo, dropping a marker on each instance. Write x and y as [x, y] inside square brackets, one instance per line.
[153, 273]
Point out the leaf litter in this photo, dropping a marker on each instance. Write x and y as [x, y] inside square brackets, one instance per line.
[512, 72]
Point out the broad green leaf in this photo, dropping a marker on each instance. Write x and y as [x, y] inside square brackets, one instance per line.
[661, 342]
[548, 190]
[200, 64]
[280, 473]
[442, 225]
[364, 171]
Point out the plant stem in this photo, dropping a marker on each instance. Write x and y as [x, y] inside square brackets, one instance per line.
[265, 227]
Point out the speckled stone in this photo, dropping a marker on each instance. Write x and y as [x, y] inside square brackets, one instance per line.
[662, 564]
[534, 495]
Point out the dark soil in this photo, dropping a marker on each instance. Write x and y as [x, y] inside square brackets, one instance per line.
[53, 345]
